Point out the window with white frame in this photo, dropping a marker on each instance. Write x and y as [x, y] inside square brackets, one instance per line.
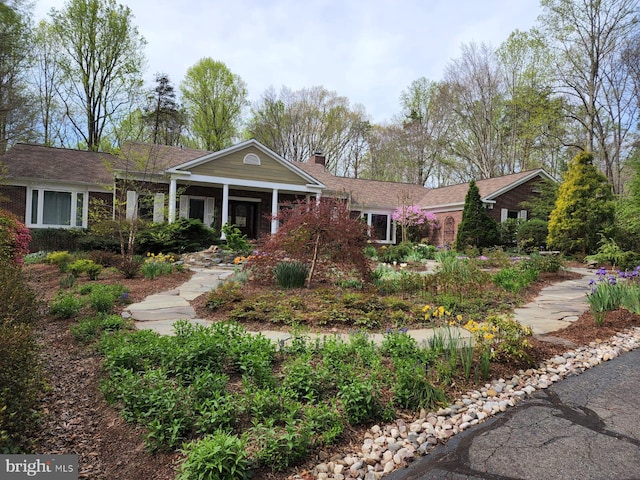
[56, 208]
[145, 206]
[380, 226]
[199, 208]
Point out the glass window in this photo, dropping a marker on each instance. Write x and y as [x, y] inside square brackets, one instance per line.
[57, 208]
[196, 208]
[34, 206]
[379, 226]
[79, 208]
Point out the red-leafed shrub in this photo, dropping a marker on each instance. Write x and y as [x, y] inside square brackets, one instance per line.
[320, 234]
[14, 238]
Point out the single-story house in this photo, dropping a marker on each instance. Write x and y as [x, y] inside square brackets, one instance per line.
[243, 185]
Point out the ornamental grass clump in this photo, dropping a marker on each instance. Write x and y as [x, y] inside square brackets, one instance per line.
[291, 274]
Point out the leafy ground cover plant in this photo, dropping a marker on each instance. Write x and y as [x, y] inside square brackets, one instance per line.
[282, 402]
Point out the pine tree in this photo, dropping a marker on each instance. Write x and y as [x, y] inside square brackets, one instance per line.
[477, 228]
[583, 210]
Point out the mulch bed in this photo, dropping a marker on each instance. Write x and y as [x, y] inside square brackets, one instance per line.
[77, 420]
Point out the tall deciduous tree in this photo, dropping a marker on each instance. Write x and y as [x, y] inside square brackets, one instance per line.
[16, 119]
[477, 100]
[101, 59]
[47, 81]
[426, 126]
[295, 124]
[214, 98]
[590, 36]
[477, 228]
[584, 208]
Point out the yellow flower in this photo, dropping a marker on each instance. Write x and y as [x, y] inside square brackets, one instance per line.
[459, 318]
[488, 336]
[426, 308]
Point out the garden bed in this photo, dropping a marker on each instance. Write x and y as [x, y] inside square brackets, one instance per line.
[77, 418]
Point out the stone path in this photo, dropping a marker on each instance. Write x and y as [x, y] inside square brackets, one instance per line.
[556, 307]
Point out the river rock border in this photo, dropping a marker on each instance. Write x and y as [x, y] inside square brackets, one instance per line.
[394, 446]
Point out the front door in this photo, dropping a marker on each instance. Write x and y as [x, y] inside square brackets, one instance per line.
[243, 215]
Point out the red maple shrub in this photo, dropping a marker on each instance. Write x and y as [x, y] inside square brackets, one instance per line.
[14, 238]
[321, 234]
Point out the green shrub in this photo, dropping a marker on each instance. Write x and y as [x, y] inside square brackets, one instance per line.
[21, 375]
[361, 401]
[282, 447]
[325, 421]
[235, 240]
[545, 263]
[65, 305]
[532, 235]
[103, 298]
[396, 253]
[219, 456]
[89, 329]
[18, 302]
[55, 239]
[291, 274]
[21, 384]
[61, 259]
[516, 279]
[226, 293]
[183, 235]
[78, 267]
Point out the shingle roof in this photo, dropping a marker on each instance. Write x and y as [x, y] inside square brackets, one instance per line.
[159, 157]
[367, 193]
[455, 194]
[25, 161]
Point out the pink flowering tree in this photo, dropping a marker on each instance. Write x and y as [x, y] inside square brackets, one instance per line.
[414, 222]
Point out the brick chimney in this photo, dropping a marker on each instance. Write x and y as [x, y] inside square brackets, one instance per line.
[317, 158]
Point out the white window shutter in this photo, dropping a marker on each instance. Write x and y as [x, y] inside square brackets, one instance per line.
[523, 215]
[158, 208]
[209, 210]
[132, 200]
[504, 214]
[184, 206]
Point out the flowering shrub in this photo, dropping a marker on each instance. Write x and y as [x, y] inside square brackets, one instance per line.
[414, 221]
[440, 315]
[14, 238]
[504, 337]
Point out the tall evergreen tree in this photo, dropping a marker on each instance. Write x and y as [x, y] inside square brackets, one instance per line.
[584, 208]
[477, 228]
[162, 114]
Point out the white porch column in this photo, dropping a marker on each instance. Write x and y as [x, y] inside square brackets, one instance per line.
[172, 200]
[225, 208]
[274, 211]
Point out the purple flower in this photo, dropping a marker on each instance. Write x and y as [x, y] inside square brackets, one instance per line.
[482, 257]
[592, 282]
[612, 280]
[601, 271]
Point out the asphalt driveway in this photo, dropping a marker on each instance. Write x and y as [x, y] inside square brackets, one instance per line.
[584, 427]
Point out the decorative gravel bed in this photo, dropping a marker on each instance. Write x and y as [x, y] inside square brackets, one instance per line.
[393, 446]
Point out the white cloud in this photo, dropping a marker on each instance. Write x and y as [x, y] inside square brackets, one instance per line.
[368, 51]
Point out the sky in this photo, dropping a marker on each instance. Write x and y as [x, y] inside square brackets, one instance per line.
[366, 50]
